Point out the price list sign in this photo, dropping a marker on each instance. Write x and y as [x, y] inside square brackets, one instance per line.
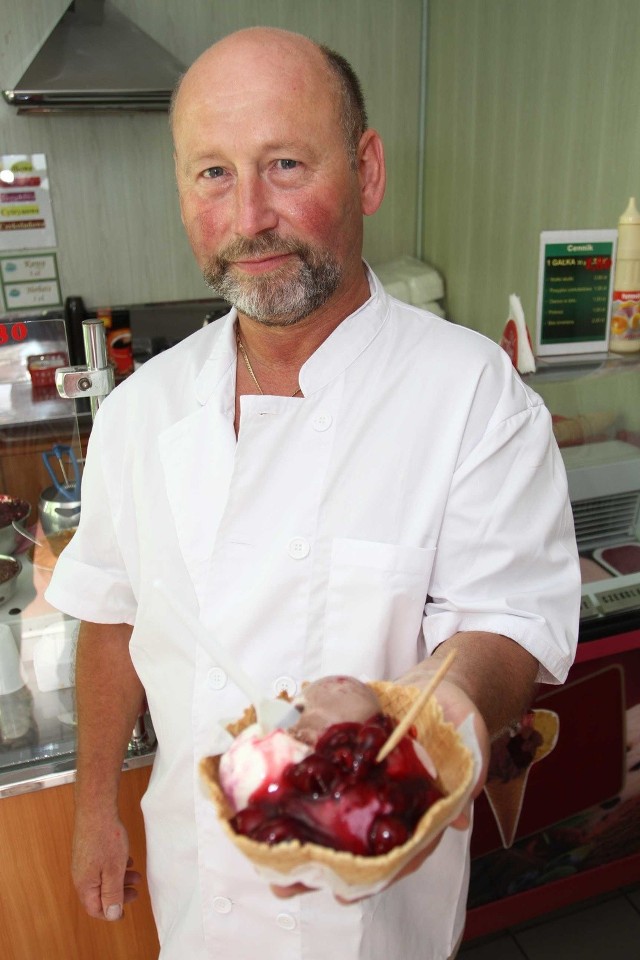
[574, 291]
[30, 282]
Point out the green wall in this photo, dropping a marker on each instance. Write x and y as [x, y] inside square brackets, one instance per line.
[533, 123]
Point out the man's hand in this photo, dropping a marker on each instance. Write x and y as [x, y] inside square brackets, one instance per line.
[108, 697]
[101, 867]
[456, 707]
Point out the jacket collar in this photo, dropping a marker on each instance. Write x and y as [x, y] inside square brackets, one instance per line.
[332, 357]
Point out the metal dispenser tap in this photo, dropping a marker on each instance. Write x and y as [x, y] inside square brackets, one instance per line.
[96, 380]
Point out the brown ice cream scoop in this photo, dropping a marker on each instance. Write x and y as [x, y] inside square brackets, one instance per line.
[330, 700]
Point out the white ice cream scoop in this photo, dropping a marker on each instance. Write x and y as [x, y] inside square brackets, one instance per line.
[254, 760]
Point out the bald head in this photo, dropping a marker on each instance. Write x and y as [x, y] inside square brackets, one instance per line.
[244, 51]
[272, 190]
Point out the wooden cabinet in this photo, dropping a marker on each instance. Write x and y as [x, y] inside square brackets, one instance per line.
[40, 916]
[577, 831]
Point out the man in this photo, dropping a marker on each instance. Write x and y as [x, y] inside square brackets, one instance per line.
[335, 483]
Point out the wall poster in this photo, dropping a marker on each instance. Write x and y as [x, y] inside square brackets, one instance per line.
[26, 215]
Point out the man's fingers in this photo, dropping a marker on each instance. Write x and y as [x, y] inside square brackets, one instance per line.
[102, 868]
[285, 892]
[112, 911]
[90, 900]
[117, 889]
[112, 898]
[463, 820]
[131, 879]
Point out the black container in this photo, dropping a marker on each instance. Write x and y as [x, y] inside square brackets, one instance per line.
[74, 314]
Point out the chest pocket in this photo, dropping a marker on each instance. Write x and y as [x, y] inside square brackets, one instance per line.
[375, 604]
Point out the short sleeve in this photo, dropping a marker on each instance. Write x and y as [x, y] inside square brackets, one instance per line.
[90, 580]
[507, 559]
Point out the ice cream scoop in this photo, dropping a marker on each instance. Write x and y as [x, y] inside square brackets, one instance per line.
[257, 758]
[334, 699]
[328, 787]
[255, 762]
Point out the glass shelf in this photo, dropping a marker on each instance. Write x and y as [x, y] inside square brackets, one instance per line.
[42, 443]
[595, 405]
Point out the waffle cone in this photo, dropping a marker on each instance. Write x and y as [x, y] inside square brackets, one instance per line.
[455, 769]
[506, 799]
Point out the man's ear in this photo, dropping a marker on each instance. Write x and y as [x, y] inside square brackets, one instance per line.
[371, 171]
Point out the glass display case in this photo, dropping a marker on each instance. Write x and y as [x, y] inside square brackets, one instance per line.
[572, 816]
[42, 443]
[595, 407]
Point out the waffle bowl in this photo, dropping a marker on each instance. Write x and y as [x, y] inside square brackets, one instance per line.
[347, 874]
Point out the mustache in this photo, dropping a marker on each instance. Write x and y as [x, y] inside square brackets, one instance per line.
[265, 244]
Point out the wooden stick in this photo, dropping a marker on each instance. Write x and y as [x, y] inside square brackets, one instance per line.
[420, 701]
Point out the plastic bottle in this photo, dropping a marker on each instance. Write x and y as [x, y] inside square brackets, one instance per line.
[625, 313]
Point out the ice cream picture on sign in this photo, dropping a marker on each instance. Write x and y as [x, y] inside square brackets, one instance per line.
[515, 340]
[317, 796]
[512, 757]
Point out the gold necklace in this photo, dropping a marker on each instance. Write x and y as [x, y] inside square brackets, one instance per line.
[242, 350]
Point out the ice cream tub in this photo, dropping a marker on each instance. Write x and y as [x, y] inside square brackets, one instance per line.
[455, 754]
[620, 558]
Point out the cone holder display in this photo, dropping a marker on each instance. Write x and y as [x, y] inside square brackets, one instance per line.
[506, 797]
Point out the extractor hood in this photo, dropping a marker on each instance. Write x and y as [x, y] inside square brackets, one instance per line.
[96, 59]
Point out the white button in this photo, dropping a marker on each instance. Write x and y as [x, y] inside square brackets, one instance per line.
[222, 905]
[216, 678]
[322, 422]
[286, 921]
[286, 685]
[299, 548]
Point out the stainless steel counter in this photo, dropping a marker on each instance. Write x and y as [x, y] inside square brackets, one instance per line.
[43, 773]
[37, 720]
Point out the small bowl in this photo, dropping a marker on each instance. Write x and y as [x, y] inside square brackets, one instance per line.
[56, 512]
[9, 572]
[11, 508]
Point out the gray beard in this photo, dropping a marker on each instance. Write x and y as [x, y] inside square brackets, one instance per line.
[285, 296]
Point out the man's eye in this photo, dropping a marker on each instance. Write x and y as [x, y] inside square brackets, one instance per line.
[287, 164]
[213, 173]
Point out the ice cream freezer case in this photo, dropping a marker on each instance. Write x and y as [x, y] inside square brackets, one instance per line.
[559, 820]
[595, 407]
[604, 486]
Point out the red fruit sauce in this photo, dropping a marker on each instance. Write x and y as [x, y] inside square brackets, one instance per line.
[340, 797]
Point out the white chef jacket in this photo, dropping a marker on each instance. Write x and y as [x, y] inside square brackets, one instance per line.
[414, 491]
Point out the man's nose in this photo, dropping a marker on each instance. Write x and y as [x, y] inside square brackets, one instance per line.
[254, 207]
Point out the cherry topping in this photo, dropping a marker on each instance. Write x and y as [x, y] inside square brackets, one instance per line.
[314, 775]
[336, 736]
[340, 797]
[370, 739]
[278, 830]
[387, 833]
[248, 820]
